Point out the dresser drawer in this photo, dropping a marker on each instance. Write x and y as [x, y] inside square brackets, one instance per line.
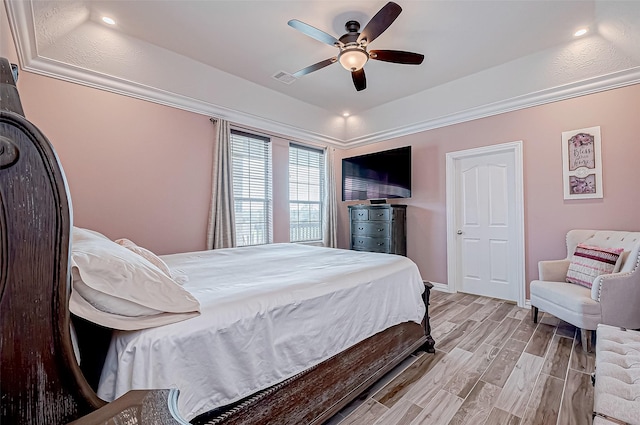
[380, 214]
[359, 214]
[363, 243]
[372, 228]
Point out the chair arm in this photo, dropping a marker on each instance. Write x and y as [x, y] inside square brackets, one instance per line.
[619, 297]
[553, 270]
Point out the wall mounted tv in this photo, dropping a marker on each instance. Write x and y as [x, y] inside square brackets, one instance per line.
[377, 176]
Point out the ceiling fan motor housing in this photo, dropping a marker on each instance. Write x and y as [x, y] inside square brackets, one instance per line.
[352, 34]
[352, 26]
[353, 55]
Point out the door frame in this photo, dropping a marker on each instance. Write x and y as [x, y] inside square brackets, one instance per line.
[452, 158]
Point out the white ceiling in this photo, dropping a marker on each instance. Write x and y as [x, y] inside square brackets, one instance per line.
[218, 58]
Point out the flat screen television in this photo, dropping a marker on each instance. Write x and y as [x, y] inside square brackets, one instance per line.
[377, 176]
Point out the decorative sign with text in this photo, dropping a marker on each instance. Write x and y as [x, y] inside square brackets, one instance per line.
[582, 163]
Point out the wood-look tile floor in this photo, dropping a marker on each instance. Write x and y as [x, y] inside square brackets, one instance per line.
[492, 366]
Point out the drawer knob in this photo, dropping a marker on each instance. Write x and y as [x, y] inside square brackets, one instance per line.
[360, 228]
[381, 230]
[380, 243]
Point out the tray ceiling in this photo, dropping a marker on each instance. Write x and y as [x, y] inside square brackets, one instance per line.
[219, 57]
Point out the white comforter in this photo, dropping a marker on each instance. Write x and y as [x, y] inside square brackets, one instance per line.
[268, 313]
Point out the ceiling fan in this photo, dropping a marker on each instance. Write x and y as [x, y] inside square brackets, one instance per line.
[353, 53]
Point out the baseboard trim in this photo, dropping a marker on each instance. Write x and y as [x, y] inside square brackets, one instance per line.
[440, 286]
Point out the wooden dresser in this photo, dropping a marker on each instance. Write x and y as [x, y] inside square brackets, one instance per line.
[379, 228]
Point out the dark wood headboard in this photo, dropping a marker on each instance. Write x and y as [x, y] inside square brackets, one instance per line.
[40, 380]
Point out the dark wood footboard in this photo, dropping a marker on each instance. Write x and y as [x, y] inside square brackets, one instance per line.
[310, 397]
[315, 395]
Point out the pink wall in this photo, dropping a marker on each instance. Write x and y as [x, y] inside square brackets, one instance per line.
[143, 171]
[280, 188]
[135, 169]
[547, 215]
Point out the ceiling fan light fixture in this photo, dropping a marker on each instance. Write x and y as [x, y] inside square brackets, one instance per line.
[353, 58]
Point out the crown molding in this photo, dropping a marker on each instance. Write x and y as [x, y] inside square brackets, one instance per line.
[20, 15]
[90, 78]
[120, 86]
[21, 21]
[579, 88]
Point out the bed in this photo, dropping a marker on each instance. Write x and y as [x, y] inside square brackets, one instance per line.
[40, 376]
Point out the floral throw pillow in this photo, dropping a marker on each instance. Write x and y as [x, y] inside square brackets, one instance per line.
[589, 262]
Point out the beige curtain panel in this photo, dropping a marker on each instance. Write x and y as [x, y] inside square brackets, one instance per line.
[330, 216]
[221, 232]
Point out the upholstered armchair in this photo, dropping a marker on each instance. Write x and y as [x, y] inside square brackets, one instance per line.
[613, 299]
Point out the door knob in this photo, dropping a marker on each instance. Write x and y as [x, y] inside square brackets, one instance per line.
[459, 232]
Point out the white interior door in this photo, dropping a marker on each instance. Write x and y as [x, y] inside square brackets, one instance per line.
[488, 237]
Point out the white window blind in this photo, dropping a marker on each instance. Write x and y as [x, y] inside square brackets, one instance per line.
[306, 193]
[251, 156]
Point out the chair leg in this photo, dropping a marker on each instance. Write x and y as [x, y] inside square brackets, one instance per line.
[586, 337]
[534, 314]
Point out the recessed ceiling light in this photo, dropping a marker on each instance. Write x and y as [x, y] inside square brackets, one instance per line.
[108, 20]
[345, 114]
[580, 32]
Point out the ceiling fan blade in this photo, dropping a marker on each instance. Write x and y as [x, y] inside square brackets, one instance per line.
[314, 32]
[359, 79]
[380, 22]
[397, 56]
[315, 67]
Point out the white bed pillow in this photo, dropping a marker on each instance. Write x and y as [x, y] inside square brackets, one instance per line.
[117, 288]
[178, 278]
[148, 255]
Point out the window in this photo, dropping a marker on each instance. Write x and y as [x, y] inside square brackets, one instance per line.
[251, 156]
[306, 192]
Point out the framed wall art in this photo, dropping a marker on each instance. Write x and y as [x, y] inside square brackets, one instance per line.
[582, 163]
